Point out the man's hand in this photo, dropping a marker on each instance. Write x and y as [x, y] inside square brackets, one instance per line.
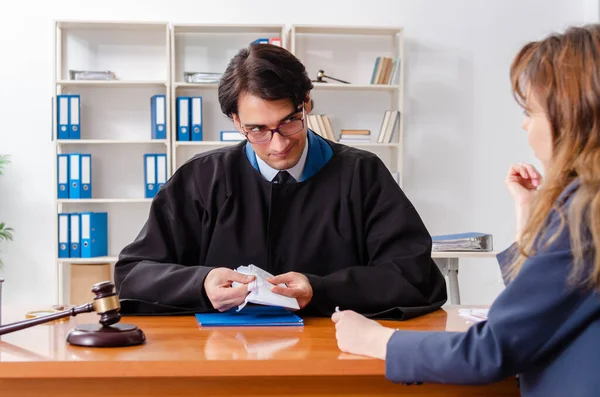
[297, 287]
[222, 295]
[357, 334]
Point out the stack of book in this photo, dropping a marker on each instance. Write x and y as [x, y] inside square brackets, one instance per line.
[189, 118]
[355, 136]
[74, 175]
[82, 234]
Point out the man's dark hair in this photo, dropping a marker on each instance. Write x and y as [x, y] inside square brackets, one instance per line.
[266, 71]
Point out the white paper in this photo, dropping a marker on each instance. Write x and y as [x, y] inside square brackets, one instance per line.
[476, 315]
[260, 290]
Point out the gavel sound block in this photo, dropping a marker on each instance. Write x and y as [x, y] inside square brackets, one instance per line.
[108, 333]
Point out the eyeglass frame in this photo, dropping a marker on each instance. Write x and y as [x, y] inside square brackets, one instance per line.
[273, 130]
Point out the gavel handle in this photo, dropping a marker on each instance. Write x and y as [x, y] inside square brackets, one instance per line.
[5, 329]
[333, 78]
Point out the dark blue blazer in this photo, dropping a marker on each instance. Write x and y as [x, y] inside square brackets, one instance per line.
[540, 328]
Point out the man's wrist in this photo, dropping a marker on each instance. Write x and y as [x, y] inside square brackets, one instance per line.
[313, 281]
[205, 298]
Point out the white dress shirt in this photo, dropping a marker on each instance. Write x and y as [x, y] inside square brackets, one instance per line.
[296, 171]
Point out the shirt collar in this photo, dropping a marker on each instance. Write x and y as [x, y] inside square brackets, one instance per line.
[296, 171]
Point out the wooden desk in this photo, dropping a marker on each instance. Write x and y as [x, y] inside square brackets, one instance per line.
[179, 359]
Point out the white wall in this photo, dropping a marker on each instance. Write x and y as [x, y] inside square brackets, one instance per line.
[591, 10]
[462, 128]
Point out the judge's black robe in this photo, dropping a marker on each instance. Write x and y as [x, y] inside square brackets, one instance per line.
[349, 228]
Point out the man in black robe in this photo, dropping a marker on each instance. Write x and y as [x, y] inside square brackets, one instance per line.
[327, 219]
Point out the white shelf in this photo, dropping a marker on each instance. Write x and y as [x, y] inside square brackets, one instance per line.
[231, 143]
[371, 144]
[226, 29]
[105, 201]
[366, 87]
[111, 83]
[110, 141]
[463, 254]
[195, 85]
[348, 30]
[206, 143]
[89, 261]
[116, 117]
[111, 25]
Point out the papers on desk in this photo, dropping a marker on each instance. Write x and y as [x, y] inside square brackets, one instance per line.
[250, 316]
[266, 307]
[463, 242]
[260, 290]
[475, 315]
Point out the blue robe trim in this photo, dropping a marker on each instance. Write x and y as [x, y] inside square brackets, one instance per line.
[319, 153]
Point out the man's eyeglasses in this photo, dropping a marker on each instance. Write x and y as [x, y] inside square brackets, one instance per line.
[294, 125]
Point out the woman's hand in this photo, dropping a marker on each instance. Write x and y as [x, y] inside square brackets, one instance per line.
[522, 182]
[357, 334]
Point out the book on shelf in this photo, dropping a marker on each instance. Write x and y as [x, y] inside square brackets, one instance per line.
[268, 40]
[391, 119]
[386, 71]
[321, 125]
[231, 136]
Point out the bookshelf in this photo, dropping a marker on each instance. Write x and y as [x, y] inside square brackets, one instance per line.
[150, 58]
[114, 123]
[348, 53]
[207, 48]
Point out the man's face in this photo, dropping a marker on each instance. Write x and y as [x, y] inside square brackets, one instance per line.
[256, 116]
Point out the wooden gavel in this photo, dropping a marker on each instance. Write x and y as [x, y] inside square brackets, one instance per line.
[321, 75]
[108, 333]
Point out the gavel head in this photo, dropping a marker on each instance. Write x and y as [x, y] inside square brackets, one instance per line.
[320, 75]
[106, 303]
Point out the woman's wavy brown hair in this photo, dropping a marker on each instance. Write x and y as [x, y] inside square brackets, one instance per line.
[562, 71]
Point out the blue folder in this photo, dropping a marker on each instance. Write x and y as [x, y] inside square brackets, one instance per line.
[183, 118]
[94, 234]
[250, 316]
[159, 115]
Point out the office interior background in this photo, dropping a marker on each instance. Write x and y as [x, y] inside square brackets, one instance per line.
[462, 128]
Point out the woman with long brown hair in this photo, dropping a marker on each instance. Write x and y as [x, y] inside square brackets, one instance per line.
[545, 325]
